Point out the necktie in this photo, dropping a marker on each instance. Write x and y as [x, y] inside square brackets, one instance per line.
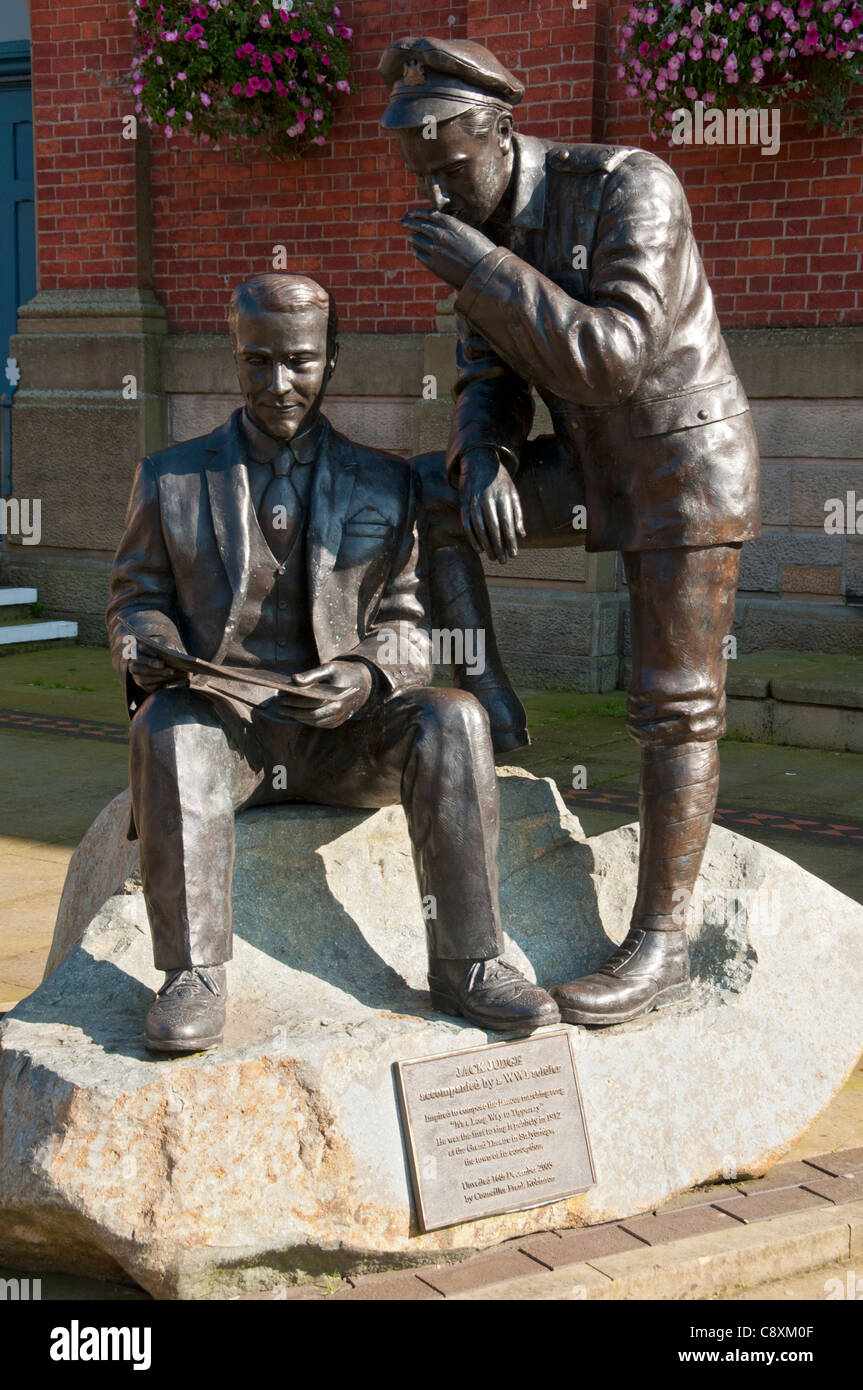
[281, 509]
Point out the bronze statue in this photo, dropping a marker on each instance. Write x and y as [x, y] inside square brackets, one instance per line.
[577, 275]
[263, 570]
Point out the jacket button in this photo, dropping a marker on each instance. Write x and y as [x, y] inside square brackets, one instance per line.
[704, 414]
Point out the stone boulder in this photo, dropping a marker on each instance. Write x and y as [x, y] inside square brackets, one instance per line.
[280, 1156]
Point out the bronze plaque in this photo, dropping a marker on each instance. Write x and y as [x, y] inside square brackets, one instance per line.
[494, 1129]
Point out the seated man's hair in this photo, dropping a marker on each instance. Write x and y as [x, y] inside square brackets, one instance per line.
[274, 291]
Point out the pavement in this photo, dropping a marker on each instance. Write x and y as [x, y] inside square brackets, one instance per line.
[63, 743]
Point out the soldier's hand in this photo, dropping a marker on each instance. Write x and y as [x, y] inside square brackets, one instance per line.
[490, 507]
[449, 247]
[351, 683]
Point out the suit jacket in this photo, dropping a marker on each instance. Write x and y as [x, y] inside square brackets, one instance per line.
[626, 352]
[182, 568]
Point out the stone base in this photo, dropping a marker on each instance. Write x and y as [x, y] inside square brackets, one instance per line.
[280, 1156]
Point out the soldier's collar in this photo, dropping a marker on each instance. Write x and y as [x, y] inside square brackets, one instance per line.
[528, 203]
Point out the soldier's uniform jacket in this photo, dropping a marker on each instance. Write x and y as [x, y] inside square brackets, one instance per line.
[627, 353]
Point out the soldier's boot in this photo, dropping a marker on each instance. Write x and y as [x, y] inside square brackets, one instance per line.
[460, 604]
[650, 969]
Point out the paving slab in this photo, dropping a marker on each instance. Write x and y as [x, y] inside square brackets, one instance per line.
[838, 1190]
[783, 1175]
[493, 1268]
[556, 1249]
[403, 1287]
[677, 1225]
[842, 1164]
[779, 1202]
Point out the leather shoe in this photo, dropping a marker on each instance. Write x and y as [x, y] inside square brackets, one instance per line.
[649, 970]
[188, 1013]
[491, 994]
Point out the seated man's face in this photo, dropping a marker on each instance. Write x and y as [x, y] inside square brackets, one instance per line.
[460, 174]
[283, 367]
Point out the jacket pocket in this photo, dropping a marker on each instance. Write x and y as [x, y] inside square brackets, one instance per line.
[379, 530]
[689, 409]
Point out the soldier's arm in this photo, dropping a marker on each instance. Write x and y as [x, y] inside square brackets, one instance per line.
[493, 405]
[597, 353]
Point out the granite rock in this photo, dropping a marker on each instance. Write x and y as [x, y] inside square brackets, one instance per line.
[280, 1156]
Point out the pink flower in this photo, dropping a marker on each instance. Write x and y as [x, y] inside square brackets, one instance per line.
[196, 32]
[317, 114]
[290, 53]
[319, 140]
[236, 89]
[325, 60]
[188, 115]
[343, 86]
[264, 21]
[690, 92]
[205, 100]
[169, 131]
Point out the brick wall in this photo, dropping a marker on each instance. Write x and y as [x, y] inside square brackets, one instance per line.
[781, 237]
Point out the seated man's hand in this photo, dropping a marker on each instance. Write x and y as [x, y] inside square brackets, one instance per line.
[490, 507]
[351, 683]
[150, 673]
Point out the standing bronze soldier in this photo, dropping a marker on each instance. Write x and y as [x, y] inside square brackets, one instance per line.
[577, 274]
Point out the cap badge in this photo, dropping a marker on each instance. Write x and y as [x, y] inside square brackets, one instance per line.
[414, 73]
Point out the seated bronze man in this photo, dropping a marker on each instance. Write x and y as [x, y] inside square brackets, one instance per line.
[275, 546]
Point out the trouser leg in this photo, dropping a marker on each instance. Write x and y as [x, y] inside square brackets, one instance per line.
[549, 487]
[187, 775]
[429, 749]
[450, 795]
[682, 610]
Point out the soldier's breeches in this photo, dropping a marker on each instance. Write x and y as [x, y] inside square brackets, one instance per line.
[682, 610]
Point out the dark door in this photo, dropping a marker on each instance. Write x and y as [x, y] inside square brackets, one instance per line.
[17, 218]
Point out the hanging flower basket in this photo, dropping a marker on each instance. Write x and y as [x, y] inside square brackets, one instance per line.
[269, 71]
[745, 55]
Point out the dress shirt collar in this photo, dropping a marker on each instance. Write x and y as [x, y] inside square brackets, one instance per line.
[262, 447]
